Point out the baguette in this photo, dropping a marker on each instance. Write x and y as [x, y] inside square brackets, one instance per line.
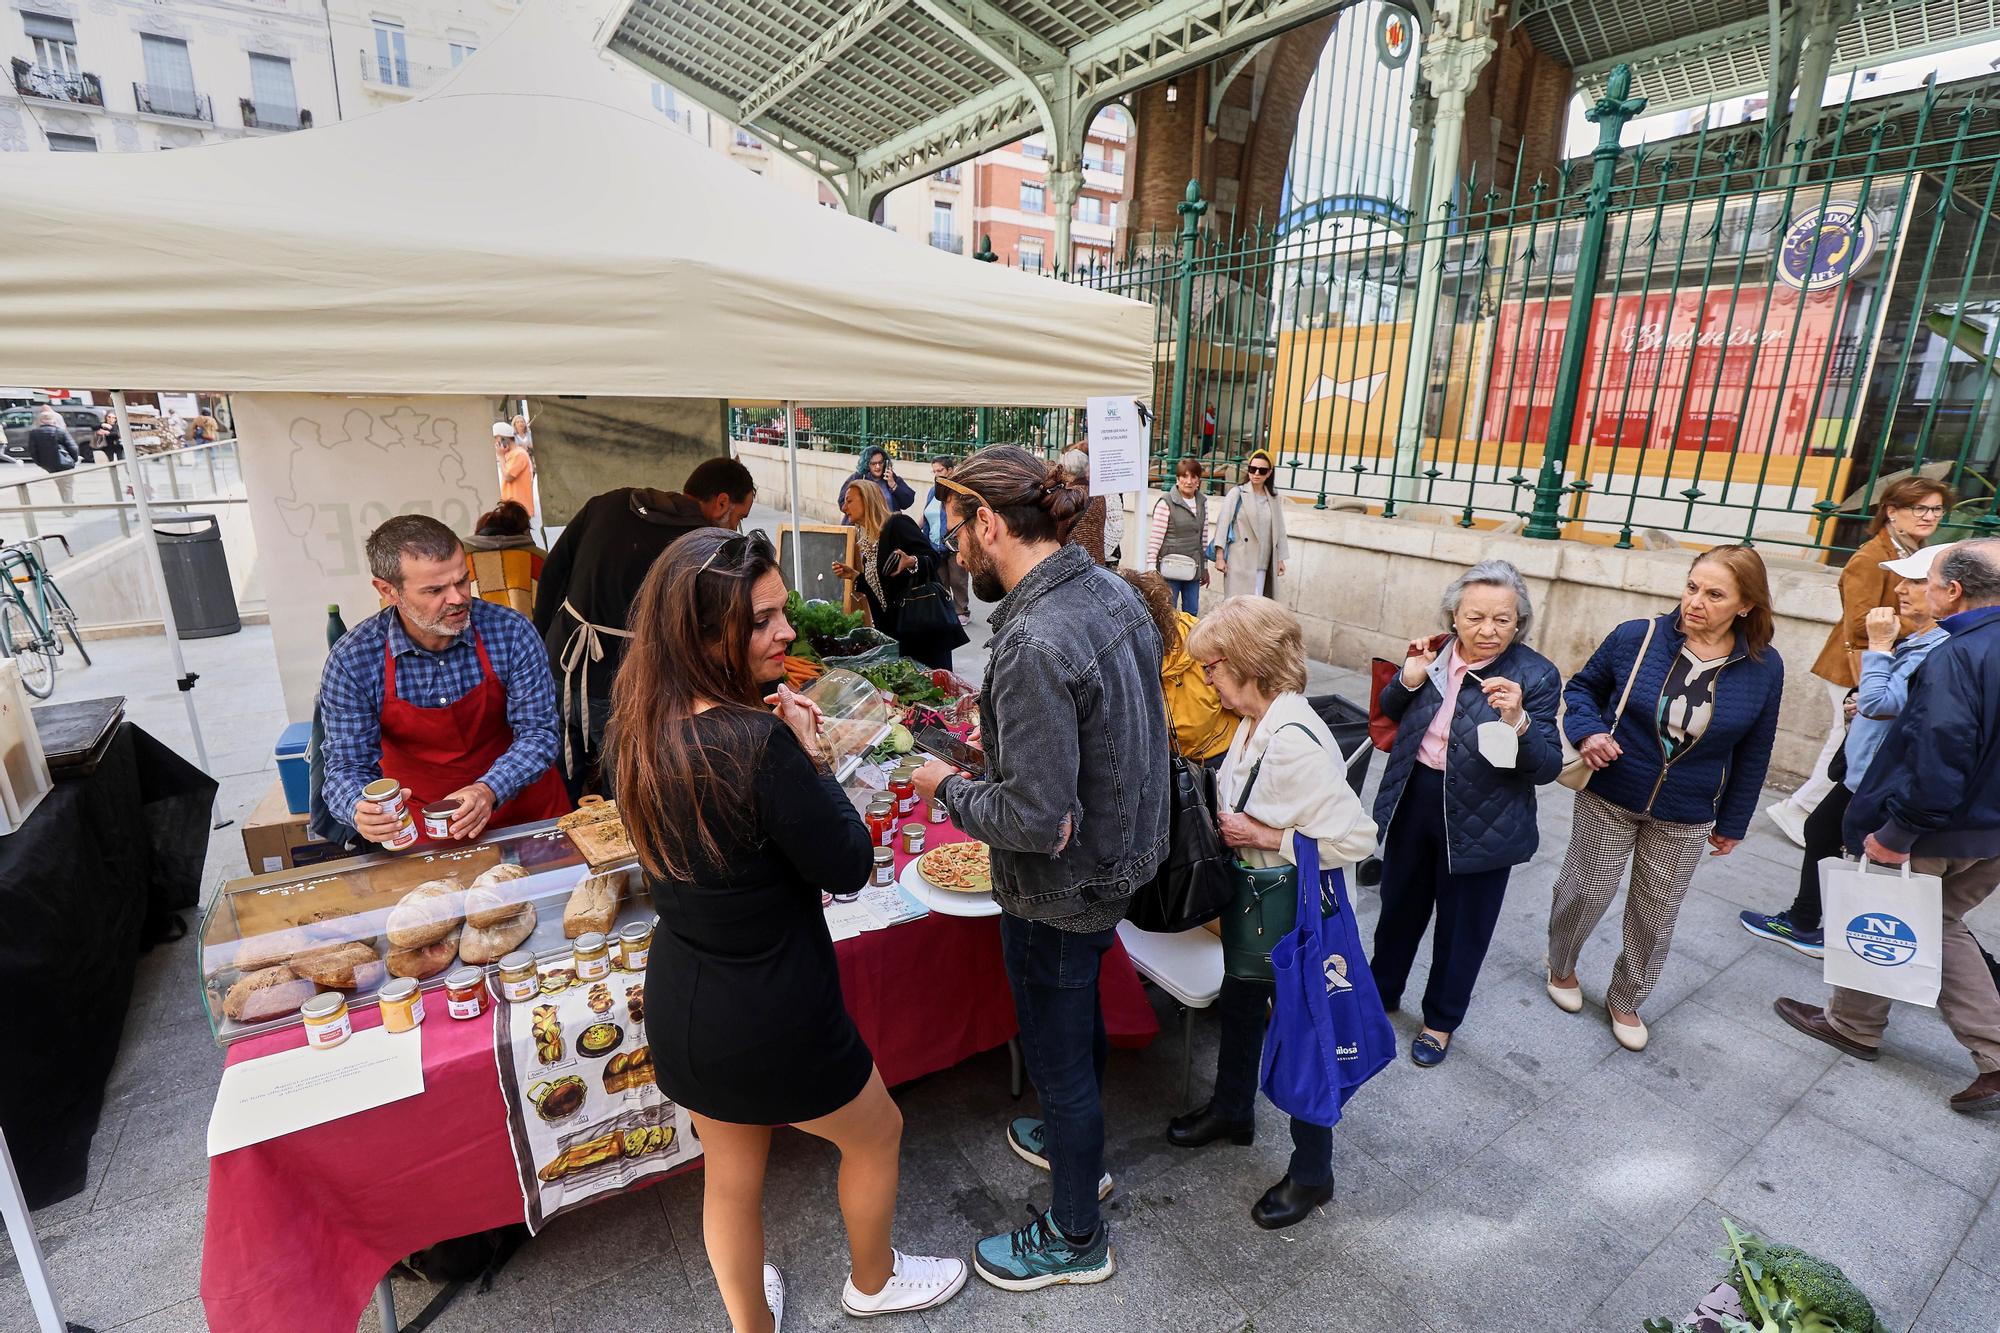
[425, 915]
[481, 945]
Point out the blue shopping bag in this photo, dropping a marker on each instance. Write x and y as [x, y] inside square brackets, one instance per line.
[1329, 1033]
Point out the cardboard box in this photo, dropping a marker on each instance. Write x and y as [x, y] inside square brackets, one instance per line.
[276, 839]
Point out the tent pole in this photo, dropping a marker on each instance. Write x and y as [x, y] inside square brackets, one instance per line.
[182, 679]
[28, 1250]
[792, 457]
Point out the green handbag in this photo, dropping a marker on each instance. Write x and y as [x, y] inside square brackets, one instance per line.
[1265, 907]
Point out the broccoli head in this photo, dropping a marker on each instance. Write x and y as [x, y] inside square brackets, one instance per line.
[1787, 1290]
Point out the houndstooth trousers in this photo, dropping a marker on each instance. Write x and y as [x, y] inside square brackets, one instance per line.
[1602, 838]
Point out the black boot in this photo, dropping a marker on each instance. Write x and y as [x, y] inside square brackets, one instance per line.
[1198, 1128]
[1285, 1203]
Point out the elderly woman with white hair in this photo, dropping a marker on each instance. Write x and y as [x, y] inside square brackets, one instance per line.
[1476, 734]
[1101, 525]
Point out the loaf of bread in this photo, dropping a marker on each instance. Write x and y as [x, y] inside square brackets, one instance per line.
[348, 966]
[269, 992]
[487, 902]
[632, 1069]
[426, 914]
[261, 951]
[593, 905]
[481, 945]
[425, 960]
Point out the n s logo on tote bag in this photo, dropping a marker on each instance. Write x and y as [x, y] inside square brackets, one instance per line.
[1881, 939]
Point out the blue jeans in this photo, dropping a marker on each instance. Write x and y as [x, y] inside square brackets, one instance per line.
[1187, 594]
[1053, 974]
[1244, 1006]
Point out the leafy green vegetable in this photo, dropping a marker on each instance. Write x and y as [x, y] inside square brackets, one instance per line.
[910, 683]
[819, 623]
[1785, 1290]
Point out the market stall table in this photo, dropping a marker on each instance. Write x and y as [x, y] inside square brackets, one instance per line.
[300, 1229]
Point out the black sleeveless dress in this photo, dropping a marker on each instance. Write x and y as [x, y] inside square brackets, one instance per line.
[743, 1002]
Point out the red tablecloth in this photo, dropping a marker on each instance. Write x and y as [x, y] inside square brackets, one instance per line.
[300, 1229]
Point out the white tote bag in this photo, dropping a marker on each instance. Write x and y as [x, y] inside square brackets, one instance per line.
[1884, 929]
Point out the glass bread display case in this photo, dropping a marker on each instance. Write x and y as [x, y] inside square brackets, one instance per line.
[271, 942]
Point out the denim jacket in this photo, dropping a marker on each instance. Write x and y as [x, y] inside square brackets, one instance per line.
[1074, 799]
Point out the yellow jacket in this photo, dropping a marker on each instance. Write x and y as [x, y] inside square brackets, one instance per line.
[1202, 727]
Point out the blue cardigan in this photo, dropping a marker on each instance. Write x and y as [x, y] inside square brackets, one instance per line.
[1489, 812]
[1720, 776]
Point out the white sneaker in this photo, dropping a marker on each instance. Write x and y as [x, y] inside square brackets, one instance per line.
[919, 1283]
[774, 1296]
[1791, 821]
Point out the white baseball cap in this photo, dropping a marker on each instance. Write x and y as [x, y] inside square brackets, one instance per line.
[503, 429]
[1917, 567]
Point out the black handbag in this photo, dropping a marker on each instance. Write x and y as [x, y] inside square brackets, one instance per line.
[1192, 886]
[926, 617]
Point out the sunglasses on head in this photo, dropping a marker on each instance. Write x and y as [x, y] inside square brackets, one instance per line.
[734, 553]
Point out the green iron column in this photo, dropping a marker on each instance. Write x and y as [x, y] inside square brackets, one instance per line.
[1610, 114]
[982, 420]
[1190, 209]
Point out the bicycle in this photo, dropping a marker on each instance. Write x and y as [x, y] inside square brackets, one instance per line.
[31, 630]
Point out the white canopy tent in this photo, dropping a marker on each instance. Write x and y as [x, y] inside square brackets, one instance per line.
[525, 228]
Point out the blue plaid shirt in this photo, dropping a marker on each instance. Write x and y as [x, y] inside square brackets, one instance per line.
[350, 693]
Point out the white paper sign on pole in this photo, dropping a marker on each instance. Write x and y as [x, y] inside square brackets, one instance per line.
[1120, 433]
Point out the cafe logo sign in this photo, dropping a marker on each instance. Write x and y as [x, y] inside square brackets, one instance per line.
[1824, 245]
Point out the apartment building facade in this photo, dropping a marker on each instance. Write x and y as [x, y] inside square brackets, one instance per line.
[1004, 197]
[125, 75]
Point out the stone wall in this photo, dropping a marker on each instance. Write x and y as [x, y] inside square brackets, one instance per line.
[1365, 586]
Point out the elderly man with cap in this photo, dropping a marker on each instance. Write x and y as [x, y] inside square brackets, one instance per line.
[445, 693]
[517, 467]
[1931, 798]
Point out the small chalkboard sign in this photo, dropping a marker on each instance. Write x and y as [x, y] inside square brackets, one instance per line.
[821, 544]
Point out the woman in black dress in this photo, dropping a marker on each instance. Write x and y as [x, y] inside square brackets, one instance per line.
[896, 558]
[739, 826]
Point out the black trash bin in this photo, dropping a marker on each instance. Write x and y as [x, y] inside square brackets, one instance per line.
[197, 569]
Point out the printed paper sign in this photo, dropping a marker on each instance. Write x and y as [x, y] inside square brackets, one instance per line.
[1120, 434]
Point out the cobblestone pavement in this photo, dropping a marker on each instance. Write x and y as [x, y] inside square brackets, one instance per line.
[1543, 1179]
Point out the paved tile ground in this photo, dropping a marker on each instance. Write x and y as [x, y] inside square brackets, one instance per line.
[1543, 1179]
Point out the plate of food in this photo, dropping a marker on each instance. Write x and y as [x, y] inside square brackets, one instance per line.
[600, 1039]
[954, 879]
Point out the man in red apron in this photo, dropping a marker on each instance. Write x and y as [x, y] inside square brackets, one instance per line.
[448, 694]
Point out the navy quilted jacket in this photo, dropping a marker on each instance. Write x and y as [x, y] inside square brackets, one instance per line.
[1489, 812]
[1718, 777]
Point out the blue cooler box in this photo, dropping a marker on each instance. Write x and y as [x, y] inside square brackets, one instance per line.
[293, 768]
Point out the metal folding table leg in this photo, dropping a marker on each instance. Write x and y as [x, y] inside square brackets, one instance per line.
[1015, 1068]
[385, 1303]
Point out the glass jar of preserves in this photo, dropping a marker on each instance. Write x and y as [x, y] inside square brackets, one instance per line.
[593, 957]
[465, 993]
[388, 794]
[884, 873]
[913, 838]
[635, 946]
[939, 815]
[903, 787]
[325, 1015]
[882, 821]
[518, 981]
[402, 1005]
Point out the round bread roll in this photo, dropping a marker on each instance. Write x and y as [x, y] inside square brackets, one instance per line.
[426, 960]
[487, 904]
[425, 915]
[481, 945]
[347, 966]
[269, 992]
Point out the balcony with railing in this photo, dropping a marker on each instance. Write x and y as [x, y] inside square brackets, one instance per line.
[274, 118]
[393, 74]
[180, 103]
[949, 175]
[55, 85]
[948, 240]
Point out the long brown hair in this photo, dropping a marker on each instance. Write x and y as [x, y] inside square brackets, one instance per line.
[691, 629]
[1159, 600]
[1036, 500]
[1753, 584]
[1907, 493]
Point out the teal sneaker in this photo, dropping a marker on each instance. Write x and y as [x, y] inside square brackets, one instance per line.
[1027, 1136]
[1039, 1255]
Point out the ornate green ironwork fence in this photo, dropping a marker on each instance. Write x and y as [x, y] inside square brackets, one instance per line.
[1709, 339]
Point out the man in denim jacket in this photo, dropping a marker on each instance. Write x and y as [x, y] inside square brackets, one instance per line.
[1073, 803]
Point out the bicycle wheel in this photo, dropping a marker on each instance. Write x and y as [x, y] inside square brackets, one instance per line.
[22, 641]
[62, 614]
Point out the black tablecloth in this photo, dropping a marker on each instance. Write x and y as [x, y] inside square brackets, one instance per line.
[95, 876]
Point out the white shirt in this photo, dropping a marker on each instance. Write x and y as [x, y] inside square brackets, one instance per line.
[1302, 787]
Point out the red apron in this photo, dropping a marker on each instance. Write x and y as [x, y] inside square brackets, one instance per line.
[435, 751]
